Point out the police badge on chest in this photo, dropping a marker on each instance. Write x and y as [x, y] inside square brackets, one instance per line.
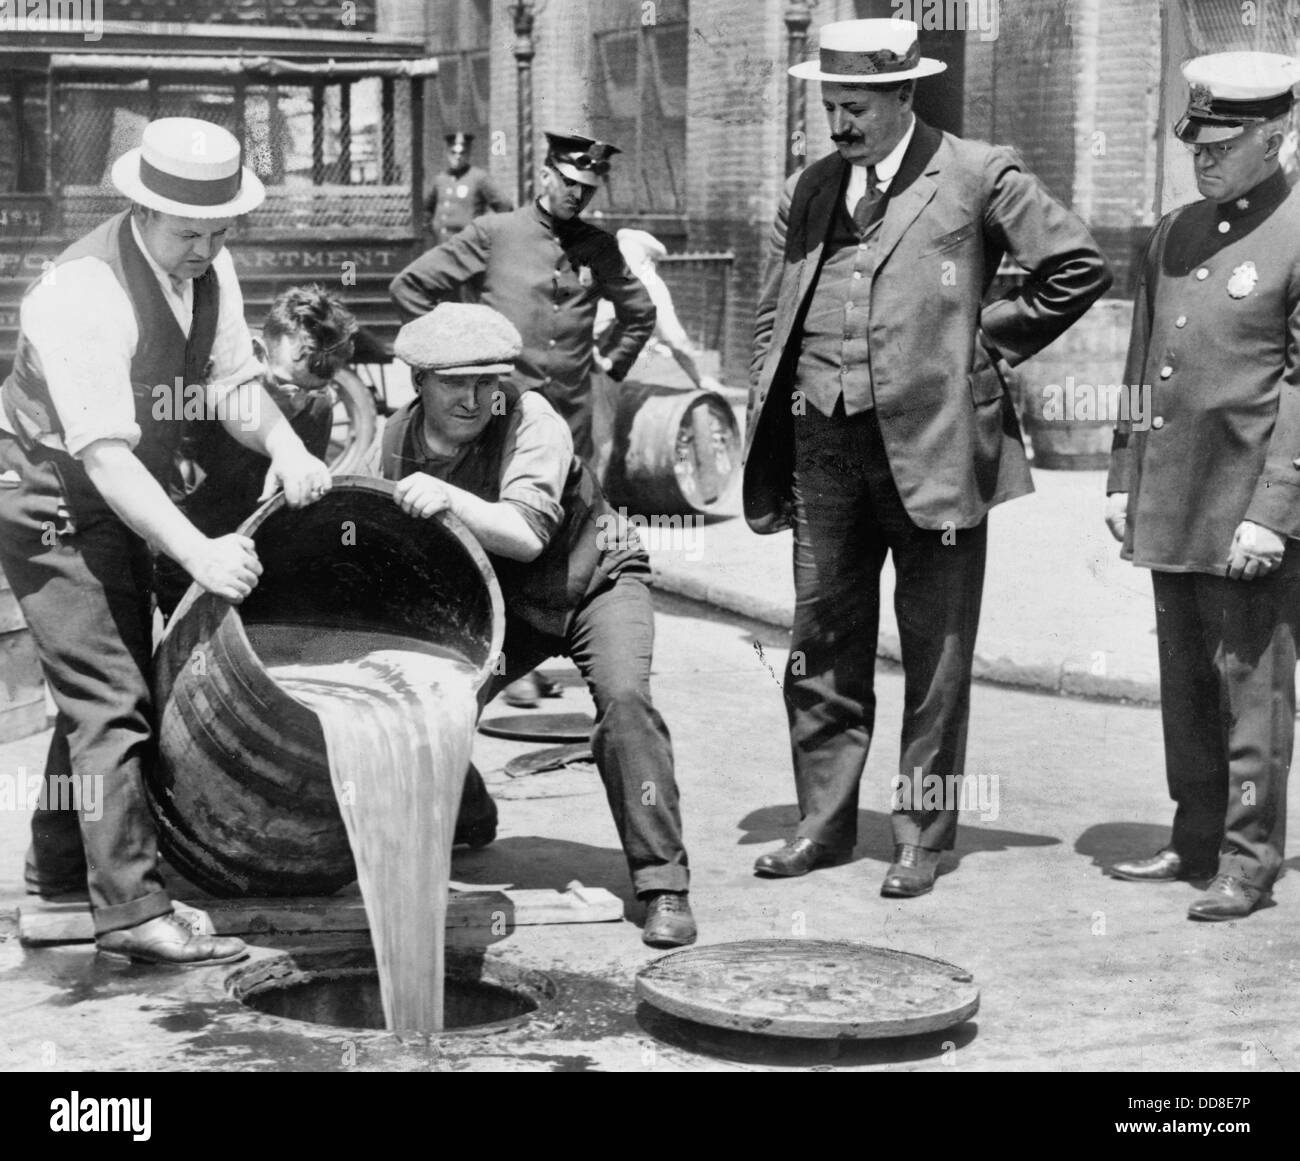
[1243, 280]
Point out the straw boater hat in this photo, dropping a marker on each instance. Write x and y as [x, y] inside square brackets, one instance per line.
[189, 168]
[1230, 91]
[459, 338]
[868, 52]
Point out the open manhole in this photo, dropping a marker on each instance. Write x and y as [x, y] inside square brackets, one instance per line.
[340, 989]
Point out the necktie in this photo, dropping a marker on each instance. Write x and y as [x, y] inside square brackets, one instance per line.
[865, 210]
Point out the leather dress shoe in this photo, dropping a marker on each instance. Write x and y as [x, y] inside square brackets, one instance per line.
[798, 857]
[169, 939]
[912, 872]
[668, 920]
[1227, 897]
[1165, 866]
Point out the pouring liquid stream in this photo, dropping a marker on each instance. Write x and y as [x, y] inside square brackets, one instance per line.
[398, 717]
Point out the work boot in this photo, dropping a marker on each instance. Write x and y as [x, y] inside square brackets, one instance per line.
[523, 693]
[169, 939]
[668, 920]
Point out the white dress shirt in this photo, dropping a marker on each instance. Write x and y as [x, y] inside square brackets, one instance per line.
[81, 323]
[886, 170]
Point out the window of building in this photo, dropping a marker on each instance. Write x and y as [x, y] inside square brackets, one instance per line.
[460, 94]
[638, 102]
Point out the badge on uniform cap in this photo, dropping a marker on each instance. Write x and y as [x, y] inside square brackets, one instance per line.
[1201, 98]
[1243, 280]
[584, 276]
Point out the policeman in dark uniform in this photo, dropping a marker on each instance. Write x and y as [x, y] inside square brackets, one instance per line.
[461, 192]
[571, 573]
[546, 270]
[1205, 491]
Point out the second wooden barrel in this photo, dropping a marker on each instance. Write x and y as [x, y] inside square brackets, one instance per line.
[671, 450]
[241, 792]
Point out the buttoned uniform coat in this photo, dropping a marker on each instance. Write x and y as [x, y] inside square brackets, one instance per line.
[456, 199]
[940, 361]
[1216, 337]
[547, 278]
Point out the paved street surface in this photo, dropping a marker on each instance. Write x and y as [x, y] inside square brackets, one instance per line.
[1077, 971]
[1061, 611]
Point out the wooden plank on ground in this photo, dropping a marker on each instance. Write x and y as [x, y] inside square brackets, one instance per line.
[501, 911]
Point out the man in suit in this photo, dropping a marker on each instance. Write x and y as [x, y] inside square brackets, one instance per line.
[1208, 496]
[880, 422]
[461, 192]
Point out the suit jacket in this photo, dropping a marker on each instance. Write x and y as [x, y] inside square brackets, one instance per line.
[939, 359]
[1216, 342]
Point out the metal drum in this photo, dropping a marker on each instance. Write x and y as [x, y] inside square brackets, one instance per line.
[241, 792]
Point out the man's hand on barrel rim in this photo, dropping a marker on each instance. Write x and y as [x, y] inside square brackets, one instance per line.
[421, 495]
[304, 478]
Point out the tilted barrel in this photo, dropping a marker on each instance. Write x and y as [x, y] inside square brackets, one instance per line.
[241, 792]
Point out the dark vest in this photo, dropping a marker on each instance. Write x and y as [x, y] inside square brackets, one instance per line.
[163, 354]
[583, 554]
[835, 356]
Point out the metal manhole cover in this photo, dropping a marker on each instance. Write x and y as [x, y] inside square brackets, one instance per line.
[535, 727]
[825, 989]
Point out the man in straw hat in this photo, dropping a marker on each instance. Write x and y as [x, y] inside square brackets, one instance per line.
[138, 325]
[571, 572]
[461, 192]
[880, 422]
[1208, 496]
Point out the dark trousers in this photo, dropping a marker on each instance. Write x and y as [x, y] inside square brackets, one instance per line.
[87, 602]
[611, 641]
[848, 515]
[1227, 704]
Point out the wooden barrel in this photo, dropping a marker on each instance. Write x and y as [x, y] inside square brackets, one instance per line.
[1070, 391]
[671, 450]
[241, 792]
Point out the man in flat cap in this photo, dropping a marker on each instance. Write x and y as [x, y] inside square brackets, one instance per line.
[1208, 497]
[572, 574]
[137, 319]
[880, 422]
[461, 192]
[545, 269]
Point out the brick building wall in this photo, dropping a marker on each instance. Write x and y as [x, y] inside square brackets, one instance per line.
[1076, 91]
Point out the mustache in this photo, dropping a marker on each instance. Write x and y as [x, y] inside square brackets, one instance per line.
[846, 138]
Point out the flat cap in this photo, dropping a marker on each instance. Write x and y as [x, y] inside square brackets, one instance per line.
[459, 338]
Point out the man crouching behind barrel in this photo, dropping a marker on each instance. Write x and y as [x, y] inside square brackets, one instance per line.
[570, 573]
[135, 322]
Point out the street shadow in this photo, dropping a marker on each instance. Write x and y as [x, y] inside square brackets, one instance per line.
[797, 1052]
[1106, 843]
[533, 862]
[876, 835]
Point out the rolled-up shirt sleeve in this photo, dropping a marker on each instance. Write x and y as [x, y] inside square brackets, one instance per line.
[83, 329]
[535, 464]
